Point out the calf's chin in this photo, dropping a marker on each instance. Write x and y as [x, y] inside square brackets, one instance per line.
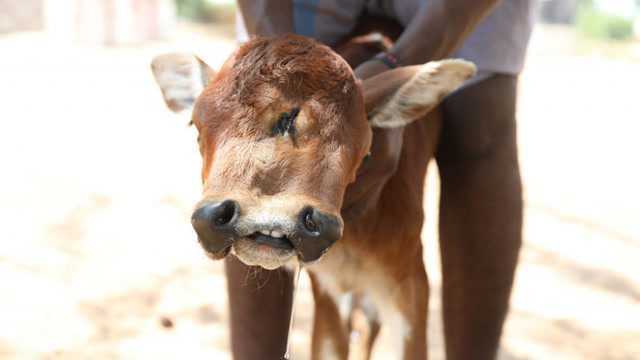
[270, 258]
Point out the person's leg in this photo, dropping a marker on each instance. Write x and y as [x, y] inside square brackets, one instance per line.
[260, 307]
[480, 214]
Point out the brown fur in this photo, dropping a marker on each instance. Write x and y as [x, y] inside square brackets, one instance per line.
[316, 165]
[263, 79]
[234, 116]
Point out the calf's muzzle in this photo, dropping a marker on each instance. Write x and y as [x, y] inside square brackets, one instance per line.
[310, 233]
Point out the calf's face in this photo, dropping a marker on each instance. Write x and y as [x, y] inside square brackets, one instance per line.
[283, 128]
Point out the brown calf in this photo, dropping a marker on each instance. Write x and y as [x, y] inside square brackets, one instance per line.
[284, 128]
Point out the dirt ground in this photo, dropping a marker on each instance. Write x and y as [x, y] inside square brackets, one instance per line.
[98, 259]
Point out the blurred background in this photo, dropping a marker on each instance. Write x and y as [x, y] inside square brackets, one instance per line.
[98, 179]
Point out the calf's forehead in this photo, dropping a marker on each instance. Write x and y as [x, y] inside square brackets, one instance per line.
[275, 72]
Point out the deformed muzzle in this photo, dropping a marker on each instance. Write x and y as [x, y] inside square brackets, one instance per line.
[310, 234]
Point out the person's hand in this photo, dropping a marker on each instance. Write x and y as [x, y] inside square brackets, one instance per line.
[381, 164]
[370, 68]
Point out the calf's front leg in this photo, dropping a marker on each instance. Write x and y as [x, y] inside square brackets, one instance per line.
[330, 339]
[404, 314]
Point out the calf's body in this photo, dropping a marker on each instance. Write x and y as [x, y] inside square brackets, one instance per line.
[380, 258]
[278, 194]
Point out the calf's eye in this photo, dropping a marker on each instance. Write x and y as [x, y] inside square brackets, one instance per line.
[286, 123]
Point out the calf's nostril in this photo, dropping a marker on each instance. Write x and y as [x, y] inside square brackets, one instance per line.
[224, 212]
[213, 222]
[308, 221]
[315, 232]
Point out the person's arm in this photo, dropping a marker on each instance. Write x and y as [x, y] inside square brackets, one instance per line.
[270, 17]
[436, 31]
[439, 29]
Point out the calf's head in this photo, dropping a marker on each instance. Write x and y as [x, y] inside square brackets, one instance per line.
[283, 127]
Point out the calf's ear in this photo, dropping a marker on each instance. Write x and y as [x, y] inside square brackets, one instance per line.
[181, 78]
[397, 97]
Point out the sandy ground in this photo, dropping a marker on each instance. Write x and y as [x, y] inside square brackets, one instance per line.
[98, 181]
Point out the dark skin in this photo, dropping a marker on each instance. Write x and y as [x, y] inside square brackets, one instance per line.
[260, 306]
[481, 197]
[480, 214]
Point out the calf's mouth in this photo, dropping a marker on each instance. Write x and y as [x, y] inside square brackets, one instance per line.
[273, 238]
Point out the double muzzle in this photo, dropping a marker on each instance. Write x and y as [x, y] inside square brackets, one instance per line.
[310, 233]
